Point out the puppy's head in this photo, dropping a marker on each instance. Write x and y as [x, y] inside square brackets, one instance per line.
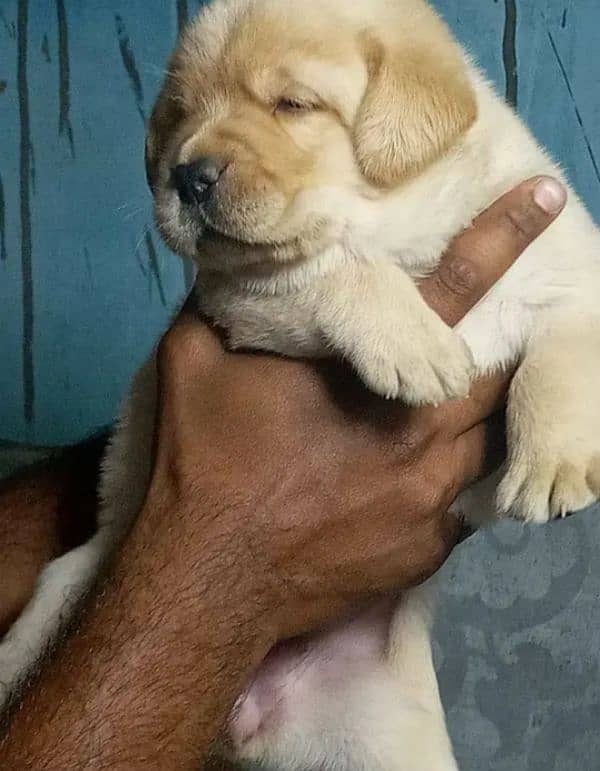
[278, 116]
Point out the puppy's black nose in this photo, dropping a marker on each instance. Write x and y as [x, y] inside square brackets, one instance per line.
[195, 181]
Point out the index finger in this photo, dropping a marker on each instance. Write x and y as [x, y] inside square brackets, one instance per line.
[454, 418]
[487, 396]
[482, 254]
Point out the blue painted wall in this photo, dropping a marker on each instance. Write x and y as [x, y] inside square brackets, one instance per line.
[85, 284]
[81, 306]
[85, 288]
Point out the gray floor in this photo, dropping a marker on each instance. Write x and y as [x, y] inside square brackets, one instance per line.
[519, 627]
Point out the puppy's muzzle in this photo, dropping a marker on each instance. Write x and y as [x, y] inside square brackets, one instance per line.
[195, 182]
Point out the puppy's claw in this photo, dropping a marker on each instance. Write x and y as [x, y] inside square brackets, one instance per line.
[441, 370]
[544, 490]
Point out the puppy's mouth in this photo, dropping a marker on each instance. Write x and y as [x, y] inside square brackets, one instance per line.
[254, 255]
[226, 231]
[220, 223]
[218, 235]
[228, 222]
[217, 230]
[194, 222]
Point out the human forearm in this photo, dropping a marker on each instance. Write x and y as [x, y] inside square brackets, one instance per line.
[44, 511]
[161, 654]
[333, 500]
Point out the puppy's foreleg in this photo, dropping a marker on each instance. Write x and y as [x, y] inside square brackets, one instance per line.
[374, 316]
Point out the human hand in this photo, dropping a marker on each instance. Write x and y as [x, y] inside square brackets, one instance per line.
[323, 494]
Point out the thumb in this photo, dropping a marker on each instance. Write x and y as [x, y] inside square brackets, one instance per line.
[482, 254]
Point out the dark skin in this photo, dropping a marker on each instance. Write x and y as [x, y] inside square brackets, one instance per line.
[45, 511]
[292, 506]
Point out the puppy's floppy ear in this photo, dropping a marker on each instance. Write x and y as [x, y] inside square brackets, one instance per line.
[417, 104]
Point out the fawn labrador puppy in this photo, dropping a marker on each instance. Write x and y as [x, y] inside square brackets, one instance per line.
[315, 159]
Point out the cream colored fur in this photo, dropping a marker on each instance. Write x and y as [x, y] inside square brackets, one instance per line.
[325, 218]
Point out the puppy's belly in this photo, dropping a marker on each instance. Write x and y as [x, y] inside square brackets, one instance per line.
[299, 678]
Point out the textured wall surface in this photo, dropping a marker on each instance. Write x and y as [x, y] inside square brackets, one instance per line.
[85, 287]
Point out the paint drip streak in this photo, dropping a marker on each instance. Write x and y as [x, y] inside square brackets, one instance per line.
[154, 266]
[182, 15]
[509, 53]
[25, 212]
[64, 76]
[578, 115]
[130, 65]
[189, 272]
[9, 28]
[3, 255]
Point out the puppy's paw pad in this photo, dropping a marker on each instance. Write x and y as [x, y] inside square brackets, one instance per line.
[539, 492]
[382, 377]
[432, 367]
[571, 491]
[437, 379]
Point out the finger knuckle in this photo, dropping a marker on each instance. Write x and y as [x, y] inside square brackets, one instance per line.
[523, 223]
[180, 346]
[441, 480]
[439, 552]
[437, 422]
[434, 552]
[415, 439]
[430, 492]
[459, 277]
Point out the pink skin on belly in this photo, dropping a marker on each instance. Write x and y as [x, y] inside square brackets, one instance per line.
[296, 670]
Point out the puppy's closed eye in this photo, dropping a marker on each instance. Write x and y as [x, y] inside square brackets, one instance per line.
[293, 105]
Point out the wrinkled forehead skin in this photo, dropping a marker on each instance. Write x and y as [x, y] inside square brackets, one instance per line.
[383, 93]
[239, 49]
[253, 49]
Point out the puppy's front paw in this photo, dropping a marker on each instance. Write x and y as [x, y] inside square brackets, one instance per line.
[424, 363]
[544, 487]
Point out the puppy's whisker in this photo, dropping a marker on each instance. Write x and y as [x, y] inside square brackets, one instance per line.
[140, 241]
[134, 214]
[154, 69]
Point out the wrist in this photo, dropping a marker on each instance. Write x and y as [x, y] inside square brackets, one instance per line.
[207, 540]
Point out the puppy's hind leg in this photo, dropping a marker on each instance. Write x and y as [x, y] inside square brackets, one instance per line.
[58, 590]
[423, 740]
[553, 424]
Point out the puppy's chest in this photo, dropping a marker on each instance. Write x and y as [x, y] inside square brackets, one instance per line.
[284, 312]
[284, 323]
[285, 315]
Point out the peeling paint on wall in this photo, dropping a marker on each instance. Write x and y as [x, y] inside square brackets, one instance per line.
[86, 286]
